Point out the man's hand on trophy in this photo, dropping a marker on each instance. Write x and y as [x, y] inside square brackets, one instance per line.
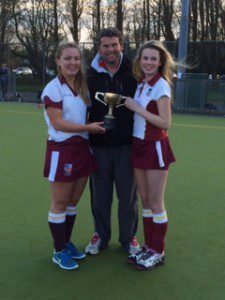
[96, 128]
[132, 105]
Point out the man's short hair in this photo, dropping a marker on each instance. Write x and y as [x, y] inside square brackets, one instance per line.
[109, 32]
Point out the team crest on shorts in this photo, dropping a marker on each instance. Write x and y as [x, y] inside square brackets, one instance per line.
[68, 169]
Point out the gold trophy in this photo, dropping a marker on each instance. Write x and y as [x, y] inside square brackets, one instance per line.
[111, 100]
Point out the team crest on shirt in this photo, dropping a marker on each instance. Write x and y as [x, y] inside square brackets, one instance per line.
[68, 169]
[149, 92]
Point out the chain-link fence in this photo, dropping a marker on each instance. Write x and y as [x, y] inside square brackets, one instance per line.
[203, 96]
[30, 68]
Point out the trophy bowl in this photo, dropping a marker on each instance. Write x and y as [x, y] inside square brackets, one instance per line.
[111, 100]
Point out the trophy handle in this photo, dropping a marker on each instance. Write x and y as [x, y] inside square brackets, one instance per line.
[122, 98]
[97, 94]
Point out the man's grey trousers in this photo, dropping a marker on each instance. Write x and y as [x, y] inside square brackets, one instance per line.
[114, 168]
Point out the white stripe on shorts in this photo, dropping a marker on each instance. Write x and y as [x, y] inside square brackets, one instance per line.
[53, 165]
[159, 152]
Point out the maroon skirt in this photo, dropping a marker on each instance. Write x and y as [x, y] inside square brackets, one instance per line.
[152, 155]
[69, 160]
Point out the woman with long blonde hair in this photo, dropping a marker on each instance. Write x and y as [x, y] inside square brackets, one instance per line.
[68, 161]
[151, 150]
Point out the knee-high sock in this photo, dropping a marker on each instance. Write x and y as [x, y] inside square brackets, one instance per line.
[160, 225]
[71, 212]
[147, 217]
[57, 226]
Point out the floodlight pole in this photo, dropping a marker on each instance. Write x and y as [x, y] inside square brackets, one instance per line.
[180, 102]
[183, 40]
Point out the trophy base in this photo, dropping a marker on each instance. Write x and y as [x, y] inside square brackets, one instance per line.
[109, 123]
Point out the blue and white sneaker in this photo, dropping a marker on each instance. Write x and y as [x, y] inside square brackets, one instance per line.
[72, 250]
[64, 260]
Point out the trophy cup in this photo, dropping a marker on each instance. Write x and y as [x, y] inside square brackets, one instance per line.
[111, 100]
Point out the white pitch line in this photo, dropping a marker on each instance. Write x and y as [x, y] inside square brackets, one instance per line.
[174, 124]
[20, 112]
[199, 126]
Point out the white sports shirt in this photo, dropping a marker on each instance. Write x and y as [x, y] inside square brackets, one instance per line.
[59, 95]
[147, 94]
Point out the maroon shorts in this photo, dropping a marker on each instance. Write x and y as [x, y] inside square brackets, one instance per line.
[152, 155]
[69, 160]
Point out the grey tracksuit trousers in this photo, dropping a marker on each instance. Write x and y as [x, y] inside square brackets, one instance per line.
[114, 168]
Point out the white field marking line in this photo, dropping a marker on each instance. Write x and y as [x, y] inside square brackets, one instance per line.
[20, 112]
[198, 126]
[174, 124]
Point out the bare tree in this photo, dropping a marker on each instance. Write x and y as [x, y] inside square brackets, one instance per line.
[222, 20]
[5, 17]
[100, 14]
[167, 18]
[214, 19]
[34, 28]
[158, 22]
[72, 11]
[56, 24]
[119, 14]
[96, 16]
[145, 20]
[206, 20]
[147, 23]
[133, 27]
[194, 19]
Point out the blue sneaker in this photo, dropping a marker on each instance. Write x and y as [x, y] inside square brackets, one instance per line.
[72, 250]
[64, 260]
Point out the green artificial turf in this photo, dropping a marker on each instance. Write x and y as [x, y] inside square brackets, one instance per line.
[195, 254]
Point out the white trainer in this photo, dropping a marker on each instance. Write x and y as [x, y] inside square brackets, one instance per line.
[134, 258]
[150, 261]
[94, 246]
[134, 246]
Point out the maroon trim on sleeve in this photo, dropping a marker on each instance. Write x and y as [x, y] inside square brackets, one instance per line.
[48, 102]
[154, 133]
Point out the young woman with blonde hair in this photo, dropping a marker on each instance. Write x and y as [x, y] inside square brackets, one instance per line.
[151, 150]
[68, 161]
